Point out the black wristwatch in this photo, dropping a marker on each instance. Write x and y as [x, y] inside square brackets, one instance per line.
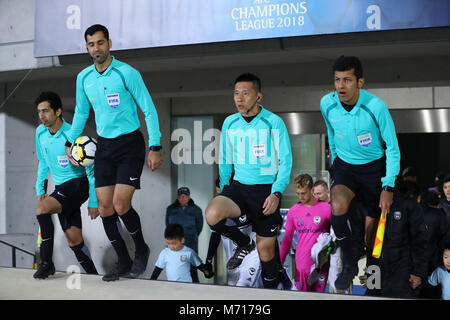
[278, 194]
[155, 148]
[388, 189]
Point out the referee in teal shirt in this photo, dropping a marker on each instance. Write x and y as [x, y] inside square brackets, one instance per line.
[114, 90]
[365, 158]
[255, 144]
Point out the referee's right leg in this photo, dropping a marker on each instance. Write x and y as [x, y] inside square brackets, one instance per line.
[341, 204]
[219, 209]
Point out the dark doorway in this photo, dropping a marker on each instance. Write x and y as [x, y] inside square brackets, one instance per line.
[428, 153]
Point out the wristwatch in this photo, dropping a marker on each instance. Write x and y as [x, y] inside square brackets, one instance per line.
[388, 189]
[278, 194]
[155, 148]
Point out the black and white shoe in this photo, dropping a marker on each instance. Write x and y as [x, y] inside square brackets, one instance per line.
[239, 255]
[44, 270]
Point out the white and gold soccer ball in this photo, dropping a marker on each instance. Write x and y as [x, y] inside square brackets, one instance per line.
[83, 150]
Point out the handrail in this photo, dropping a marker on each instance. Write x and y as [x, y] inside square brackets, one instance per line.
[14, 248]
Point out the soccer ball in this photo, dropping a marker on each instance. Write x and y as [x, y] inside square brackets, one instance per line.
[83, 150]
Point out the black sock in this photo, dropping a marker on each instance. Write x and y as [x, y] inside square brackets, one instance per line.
[47, 235]
[341, 227]
[343, 237]
[84, 258]
[231, 232]
[214, 241]
[270, 272]
[132, 222]
[113, 230]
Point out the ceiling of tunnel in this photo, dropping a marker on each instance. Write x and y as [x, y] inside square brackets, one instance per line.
[382, 45]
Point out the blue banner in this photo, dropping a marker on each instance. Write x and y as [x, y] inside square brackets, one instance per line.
[60, 24]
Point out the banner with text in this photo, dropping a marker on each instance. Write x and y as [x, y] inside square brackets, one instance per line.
[60, 24]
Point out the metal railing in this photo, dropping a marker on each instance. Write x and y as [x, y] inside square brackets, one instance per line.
[13, 252]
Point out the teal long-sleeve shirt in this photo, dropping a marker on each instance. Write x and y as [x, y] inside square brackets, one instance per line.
[114, 96]
[260, 151]
[52, 157]
[357, 136]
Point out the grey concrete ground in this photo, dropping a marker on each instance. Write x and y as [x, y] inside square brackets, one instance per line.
[18, 284]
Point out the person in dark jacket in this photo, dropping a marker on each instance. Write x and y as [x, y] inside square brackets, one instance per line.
[445, 201]
[436, 222]
[403, 262]
[186, 213]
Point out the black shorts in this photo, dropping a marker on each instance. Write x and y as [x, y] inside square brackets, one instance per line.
[250, 199]
[120, 160]
[364, 180]
[71, 195]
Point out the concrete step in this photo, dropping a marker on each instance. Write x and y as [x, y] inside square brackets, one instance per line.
[19, 284]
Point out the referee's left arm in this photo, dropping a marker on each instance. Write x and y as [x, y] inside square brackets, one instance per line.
[283, 148]
[81, 114]
[139, 91]
[388, 134]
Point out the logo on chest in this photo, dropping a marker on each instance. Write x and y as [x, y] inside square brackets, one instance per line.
[259, 150]
[63, 161]
[365, 139]
[316, 219]
[113, 100]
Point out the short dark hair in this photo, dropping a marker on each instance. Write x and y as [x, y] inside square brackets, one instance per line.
[446, 245]
[344, 63]
[95, 28]
[249, 77]
[174, 231]
[53, 99]
[446, 179]
[321, 183]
